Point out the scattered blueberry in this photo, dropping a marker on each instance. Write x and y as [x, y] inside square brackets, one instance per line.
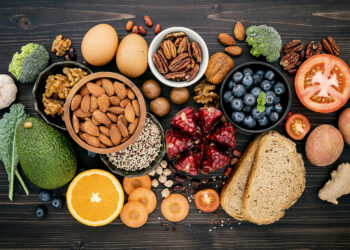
[228, 96]
[238, 90]
[255, 91]
[268, 109]
[270, 97]
[45, 196]
[261, 73]
[256, 114]
[238, 117]
[265, 85]
[273, 116]
[277, 100]
[40, 212]
[278, 108]
[237, 77]
[249, 99]
[257, 79]
[269, 75]
[237, 104]
[249, 122]
[247, 81]
[230, 84]
[247, 108]
[57, 202]
[248, 71]
[263, 121]
[279, 88]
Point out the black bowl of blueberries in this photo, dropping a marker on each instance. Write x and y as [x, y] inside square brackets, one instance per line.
[255, 97]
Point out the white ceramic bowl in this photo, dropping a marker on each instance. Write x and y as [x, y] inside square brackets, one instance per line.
[193, 36]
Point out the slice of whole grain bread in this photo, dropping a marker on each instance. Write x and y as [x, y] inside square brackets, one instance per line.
[276, 180]
[232, 193]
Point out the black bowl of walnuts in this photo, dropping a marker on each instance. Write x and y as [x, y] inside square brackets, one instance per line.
[255, 97]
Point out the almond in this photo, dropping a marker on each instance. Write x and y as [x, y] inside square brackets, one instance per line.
[226, 39]
[91, 140]
[239, 31]
[124, 102]
[101, 118]
[99, 82]
[75, 104]
[116, 136]
[103, 102]
[136, 106]
[79, 113]
[123, 120]
[81, 127]
[81, 135]
[112, 117]
[116, 110]
[91, 128]
[93, 103]
[85, 104]
[120, 90]
[102, 146]
[132, 126]
[114, 100]
[124, 139]
[129, 113]
[95, 89]
[123, 129]
[108, 86]
[95, 122]
[233, 50]
[104, 130]
[75, 123]
[84, 91]
[130, 94]
[105, 140]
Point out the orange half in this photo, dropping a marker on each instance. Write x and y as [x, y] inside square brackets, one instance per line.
[95, 197]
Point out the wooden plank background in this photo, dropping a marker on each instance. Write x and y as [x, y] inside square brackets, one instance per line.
[310, 223]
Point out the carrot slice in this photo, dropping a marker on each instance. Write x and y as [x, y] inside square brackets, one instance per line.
[134, 214]
[145, 196]
[175, 207]
[129, 184]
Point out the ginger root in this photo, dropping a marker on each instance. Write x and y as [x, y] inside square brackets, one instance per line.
[338, 185]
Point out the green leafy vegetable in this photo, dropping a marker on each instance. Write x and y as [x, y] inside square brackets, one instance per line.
[261, 100]
[8, 150]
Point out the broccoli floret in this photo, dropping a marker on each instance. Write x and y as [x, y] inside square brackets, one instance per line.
[27, 65]
[265, 41]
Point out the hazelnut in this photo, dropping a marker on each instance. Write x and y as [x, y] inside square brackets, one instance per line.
[165, 192]
[155, 183]
[159, 170]
[169, 183]
[162, 179]
[151, 89]
[160, 106]
[167, 172]
[179, 95]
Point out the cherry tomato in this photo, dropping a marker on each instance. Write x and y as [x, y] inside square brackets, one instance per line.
[323, 83]
[207, 200]
[297, 126]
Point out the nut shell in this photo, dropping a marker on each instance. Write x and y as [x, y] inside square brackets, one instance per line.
[151, 89]
[179, 95]
[160, 106]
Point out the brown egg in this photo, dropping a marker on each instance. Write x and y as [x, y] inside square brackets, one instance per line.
[179, 95]
[160, 106]
[151, 89]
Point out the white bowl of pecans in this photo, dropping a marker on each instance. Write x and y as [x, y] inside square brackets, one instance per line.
[178, 57]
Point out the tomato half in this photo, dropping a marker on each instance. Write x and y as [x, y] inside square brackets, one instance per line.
[297, 126]
[207, 200]
[323, 83]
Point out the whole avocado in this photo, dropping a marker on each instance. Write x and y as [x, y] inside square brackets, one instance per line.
[46, 156]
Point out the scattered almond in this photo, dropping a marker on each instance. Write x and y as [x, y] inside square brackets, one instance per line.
[123, 120]
[105, 140]
[91, 140]
[95, 122]
[112, 117]
[75, 104]
[239, 31]
[226, 39]
[103, 102]
[115, 134]
[95, 89]
[130, 94]
[79, 113]
[104, 130]
[116, 110]
[123, 129]
[75, 123]
[101, 118]
[93, 103]
[91, 128]
[84, 91]
[233, 50]
[120, 90]
[136, 106]
[132, 126]
[129, 113]
[114, 100]
[124, 102]
[108, 86]
[85, 104]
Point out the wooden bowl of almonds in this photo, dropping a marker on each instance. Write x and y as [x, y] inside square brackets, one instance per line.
[104, 112]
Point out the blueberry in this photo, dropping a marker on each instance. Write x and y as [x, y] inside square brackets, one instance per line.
[40, 212]
[256, 114]
[248, 71]
[257, 79]
[278, 108]
[228, 96]
[45, 196]
[249, 99]
[256, 91]
[238, 117]
[237, 104]
[230, 84]
[279, 88]
[247, 81]
[237, 77]
[249, 122]
[273, 82]
[57, 202]
[268, 109]
[247, 108]
[277, 100]
[273, 116]
[265, 85]
[261, 73]
[270, 97]
[269, 75]
[263, 121]
[238, 90]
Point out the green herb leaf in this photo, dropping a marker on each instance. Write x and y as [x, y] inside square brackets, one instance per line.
[261, 100]
[8, 150]
[260, 108]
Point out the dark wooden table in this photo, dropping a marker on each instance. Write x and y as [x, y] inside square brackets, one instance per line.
[310, 223]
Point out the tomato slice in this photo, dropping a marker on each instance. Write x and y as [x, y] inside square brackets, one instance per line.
[207, 200]
[297, 126]
[323, 83]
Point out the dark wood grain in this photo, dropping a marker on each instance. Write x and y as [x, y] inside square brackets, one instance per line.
[310, 223]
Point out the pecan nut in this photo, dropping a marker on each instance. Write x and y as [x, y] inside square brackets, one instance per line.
[175, 35]
[331, 46]
[289, 61]
[182, 45]
[197, 52]
[192, 74]
[177, 42]
[176, 76]
[180, 62]
[293, 46]
[313, 48]
[169, 49]
[160, 62]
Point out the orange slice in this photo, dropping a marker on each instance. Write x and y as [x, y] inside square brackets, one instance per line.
[95, 197]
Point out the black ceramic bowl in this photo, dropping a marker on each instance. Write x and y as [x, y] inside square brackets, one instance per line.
[39, 89]
[144, 171]
[286, 99]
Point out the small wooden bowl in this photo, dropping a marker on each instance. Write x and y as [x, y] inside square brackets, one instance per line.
[91, 78]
